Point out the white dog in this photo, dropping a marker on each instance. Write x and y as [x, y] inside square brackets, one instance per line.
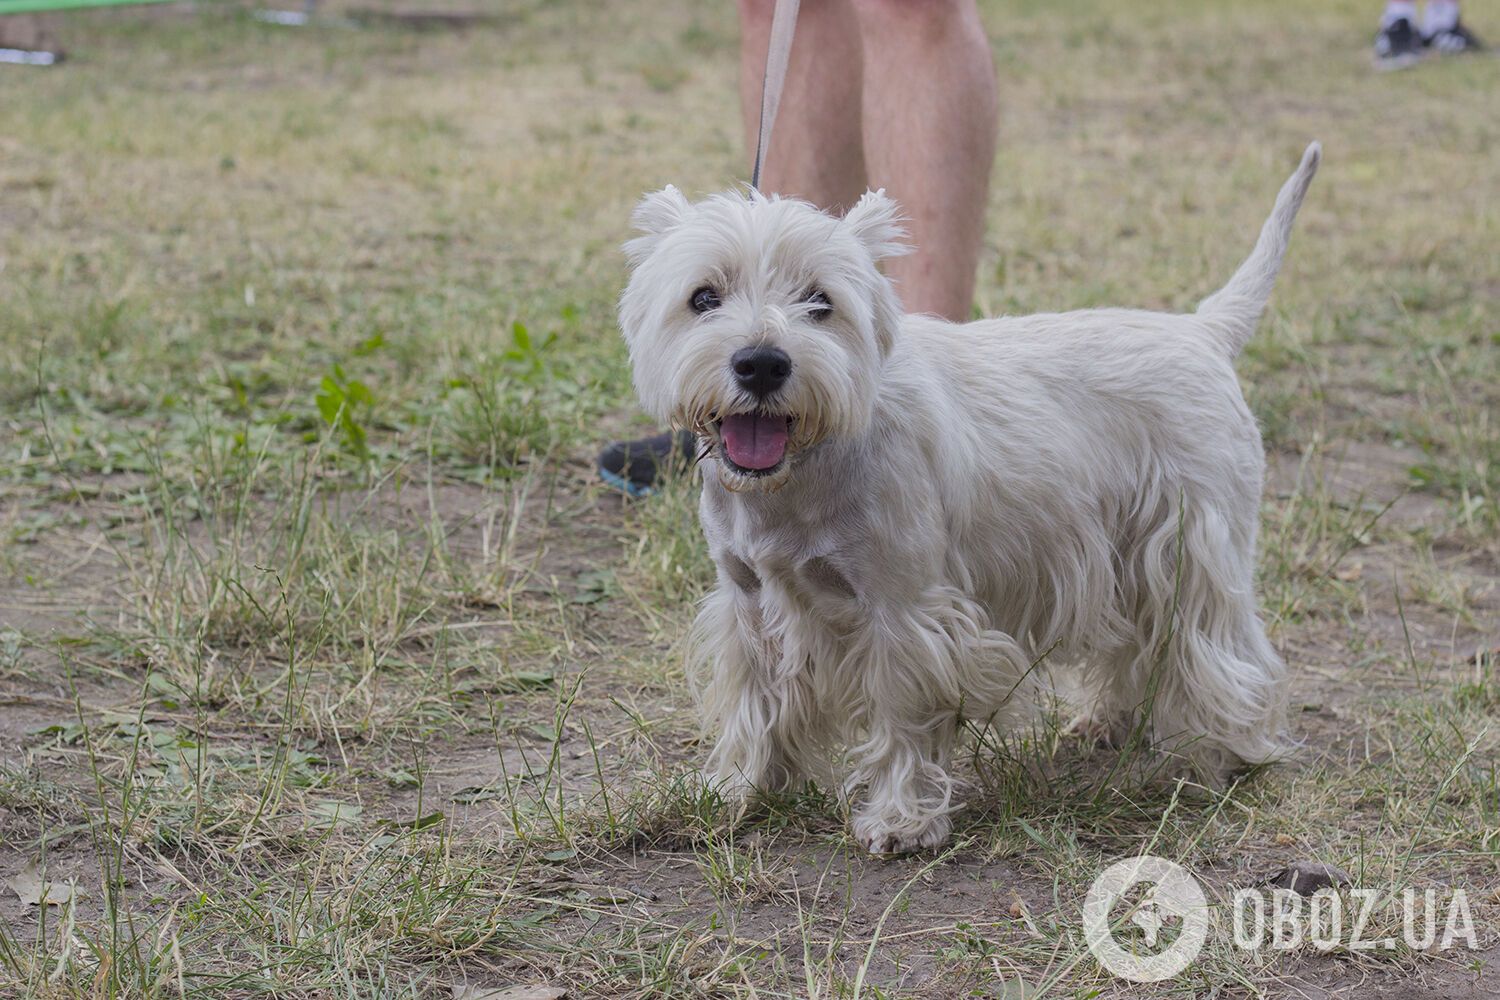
[908, 514]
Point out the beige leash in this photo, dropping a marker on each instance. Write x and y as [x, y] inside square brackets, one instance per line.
[783, 24]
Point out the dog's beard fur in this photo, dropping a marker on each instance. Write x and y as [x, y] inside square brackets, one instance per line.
[955, 503]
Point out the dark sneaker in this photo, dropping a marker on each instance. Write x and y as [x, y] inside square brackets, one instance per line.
[1398, 45]
[634, 467]
[1453, 41]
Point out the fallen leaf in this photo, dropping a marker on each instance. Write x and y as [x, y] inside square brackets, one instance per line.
[523, 680]
[330, 813]
[477, 793]
[1307, 877]
[420, 823]
[1017, 989]
[33, 890]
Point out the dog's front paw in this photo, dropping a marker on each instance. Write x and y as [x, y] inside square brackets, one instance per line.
[880, 835]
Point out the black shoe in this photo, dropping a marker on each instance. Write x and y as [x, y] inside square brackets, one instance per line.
[1454, 40]
[1398, 45]
[634, 467]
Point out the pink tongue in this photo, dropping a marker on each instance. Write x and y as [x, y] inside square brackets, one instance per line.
[753, 440]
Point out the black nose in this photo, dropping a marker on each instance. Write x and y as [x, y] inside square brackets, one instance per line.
[761, 370]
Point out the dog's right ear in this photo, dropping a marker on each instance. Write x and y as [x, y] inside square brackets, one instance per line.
[656, 213]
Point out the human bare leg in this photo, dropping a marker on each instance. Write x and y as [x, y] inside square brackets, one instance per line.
[816, 151]
[929, 121]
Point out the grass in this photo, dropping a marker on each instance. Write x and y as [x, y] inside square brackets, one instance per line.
[326, 669]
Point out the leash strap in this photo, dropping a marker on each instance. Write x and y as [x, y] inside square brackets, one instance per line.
[778, 54]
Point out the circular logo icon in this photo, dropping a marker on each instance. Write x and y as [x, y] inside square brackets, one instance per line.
[1164, 925]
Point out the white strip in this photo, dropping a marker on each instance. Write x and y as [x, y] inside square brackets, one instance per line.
[27, 57]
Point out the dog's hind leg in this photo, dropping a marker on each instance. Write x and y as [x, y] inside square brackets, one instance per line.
[1106, 697]
[1205, 672]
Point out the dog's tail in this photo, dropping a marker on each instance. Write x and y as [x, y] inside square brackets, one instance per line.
[1235, 309]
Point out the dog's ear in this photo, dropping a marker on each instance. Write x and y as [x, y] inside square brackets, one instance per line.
[876, 222]
[660, 211]
[656, 213]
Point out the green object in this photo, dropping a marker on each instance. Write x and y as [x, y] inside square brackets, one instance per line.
[34, 6]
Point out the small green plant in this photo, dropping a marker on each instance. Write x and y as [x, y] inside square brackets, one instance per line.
[342, 401]
[525, 356]
[509, 409]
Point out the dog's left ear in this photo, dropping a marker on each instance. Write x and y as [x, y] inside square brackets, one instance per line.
[876, 222]
[656, 213]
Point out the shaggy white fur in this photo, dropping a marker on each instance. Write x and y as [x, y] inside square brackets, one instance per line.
[949, 504]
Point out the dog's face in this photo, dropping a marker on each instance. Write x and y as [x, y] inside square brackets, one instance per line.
[759, 323]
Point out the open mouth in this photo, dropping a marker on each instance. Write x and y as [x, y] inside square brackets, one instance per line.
[755, 444]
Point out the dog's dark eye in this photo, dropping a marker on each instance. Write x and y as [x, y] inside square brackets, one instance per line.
[704, 300]
[821, 307]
